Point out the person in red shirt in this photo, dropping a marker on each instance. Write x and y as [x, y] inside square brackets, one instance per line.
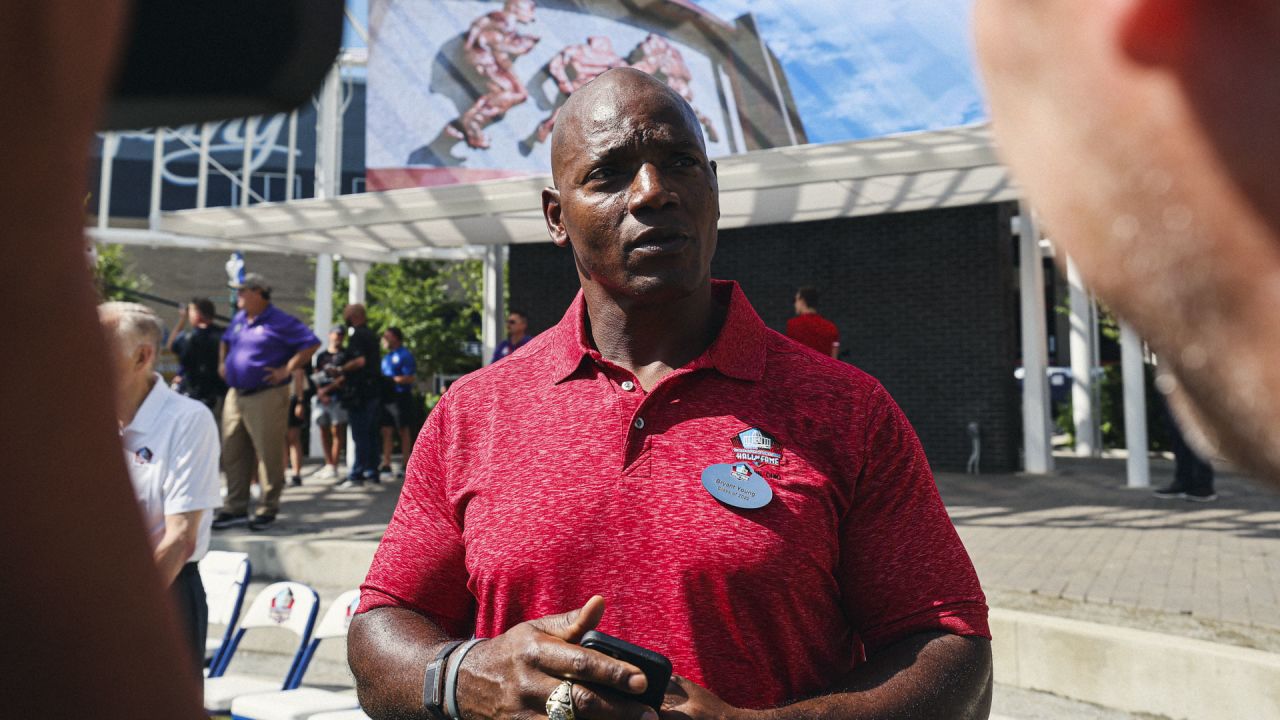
[762, 516]
[811, 329]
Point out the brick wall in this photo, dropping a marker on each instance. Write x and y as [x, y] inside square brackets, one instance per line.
[925, 302]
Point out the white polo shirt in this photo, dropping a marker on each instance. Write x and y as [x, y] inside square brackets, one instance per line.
[171, 448]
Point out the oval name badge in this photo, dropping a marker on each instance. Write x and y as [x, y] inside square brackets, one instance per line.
[737, 484]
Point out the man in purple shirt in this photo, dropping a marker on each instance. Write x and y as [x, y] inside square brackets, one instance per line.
[261, 349]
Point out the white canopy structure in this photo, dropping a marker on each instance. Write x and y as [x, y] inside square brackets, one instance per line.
[784, 185]
[919, 171]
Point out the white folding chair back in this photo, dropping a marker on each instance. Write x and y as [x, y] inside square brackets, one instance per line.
[286, 605]
[337, 618]
[300, 703]
[225, 576]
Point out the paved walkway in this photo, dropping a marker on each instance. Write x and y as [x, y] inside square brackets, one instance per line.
[1079, 543]
[1076, 543]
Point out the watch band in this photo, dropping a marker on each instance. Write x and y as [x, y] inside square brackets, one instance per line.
[433, 680]
[451, 678]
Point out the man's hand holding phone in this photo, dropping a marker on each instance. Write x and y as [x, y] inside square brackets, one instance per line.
[513, 674]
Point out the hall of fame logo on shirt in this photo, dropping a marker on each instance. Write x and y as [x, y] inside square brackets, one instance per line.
[757, 446]
[143, 456]
[281, 606]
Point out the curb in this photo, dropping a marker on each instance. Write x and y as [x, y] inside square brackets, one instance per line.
[1134, 670]
[319, 563]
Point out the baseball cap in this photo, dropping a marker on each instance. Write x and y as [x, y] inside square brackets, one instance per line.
[253, 281]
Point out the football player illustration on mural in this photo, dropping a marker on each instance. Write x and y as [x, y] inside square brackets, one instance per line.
[493, 43]
[575, 66]
[660, 59]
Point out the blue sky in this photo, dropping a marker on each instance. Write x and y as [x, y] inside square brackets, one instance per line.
[866, 68]
[859, 68]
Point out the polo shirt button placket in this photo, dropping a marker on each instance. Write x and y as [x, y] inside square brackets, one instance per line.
[639, 423]
[628, 385]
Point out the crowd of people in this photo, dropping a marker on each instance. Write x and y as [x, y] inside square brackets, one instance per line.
[266, 379]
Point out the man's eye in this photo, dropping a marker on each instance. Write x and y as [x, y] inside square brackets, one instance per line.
[685, 161]
[602, 173]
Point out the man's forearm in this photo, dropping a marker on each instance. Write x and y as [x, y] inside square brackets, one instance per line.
[171, 554]
[301, 359]
[933, 675]
[388, 650]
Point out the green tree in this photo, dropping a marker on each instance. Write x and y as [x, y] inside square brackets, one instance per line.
[114, 277]
[437, 305]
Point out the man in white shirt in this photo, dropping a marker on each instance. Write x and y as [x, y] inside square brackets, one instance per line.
[171, 450]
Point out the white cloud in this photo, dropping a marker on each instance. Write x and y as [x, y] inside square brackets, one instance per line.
[862, 67]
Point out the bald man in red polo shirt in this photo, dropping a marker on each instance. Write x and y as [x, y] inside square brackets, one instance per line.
[761, 515]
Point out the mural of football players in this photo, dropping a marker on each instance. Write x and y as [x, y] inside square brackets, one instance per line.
[660, 59]
[575, 66]
[493, 43]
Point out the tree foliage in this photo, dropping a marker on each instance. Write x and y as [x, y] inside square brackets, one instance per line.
[114, 277]
[437, 305]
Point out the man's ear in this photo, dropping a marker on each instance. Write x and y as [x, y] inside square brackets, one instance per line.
[145, 356]
[1157, 32]
[715, 185]
[551, 213]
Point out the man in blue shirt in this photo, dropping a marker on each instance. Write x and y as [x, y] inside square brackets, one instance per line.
[398, 411]
[517, 335]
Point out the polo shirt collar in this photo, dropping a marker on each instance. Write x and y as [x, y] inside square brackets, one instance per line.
[151, 408]
[737, 352]
[262, 316]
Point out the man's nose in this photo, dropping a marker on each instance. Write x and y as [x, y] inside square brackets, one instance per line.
[648, 190]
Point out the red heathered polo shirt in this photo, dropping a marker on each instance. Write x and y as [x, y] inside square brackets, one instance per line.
[814, 331]
[552, 476]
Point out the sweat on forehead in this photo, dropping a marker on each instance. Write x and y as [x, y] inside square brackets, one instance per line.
[616, 91]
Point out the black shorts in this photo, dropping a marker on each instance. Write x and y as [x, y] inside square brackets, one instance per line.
[294, 420]
[398, 412]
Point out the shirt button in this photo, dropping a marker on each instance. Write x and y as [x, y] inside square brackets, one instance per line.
[628, 385]
[639, 423]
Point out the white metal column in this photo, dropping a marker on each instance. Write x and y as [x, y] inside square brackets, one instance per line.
[1037, 442]
[157, 178]
[1082, 410]
[1135, 407]
[246, 159]
[356, 281]
[328, 171]
[202, 171]
[492, 321]
[110, 143]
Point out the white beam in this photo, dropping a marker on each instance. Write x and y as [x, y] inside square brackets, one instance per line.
[322, 320]
[110, 143]
[291, 161]
[249, 127]
[1133, 372]
[328, 147]
[1037, 442]
[202, 171]
[491, 322]
[157, 178]
[1081, 346]
[356, 281]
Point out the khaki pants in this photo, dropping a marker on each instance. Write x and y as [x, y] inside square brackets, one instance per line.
[254, 423]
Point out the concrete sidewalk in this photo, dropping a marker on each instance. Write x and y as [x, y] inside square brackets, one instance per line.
[1075, 544]
[1099, 593]
[1080, 544]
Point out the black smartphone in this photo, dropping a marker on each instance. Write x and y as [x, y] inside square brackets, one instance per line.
[656, 668]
